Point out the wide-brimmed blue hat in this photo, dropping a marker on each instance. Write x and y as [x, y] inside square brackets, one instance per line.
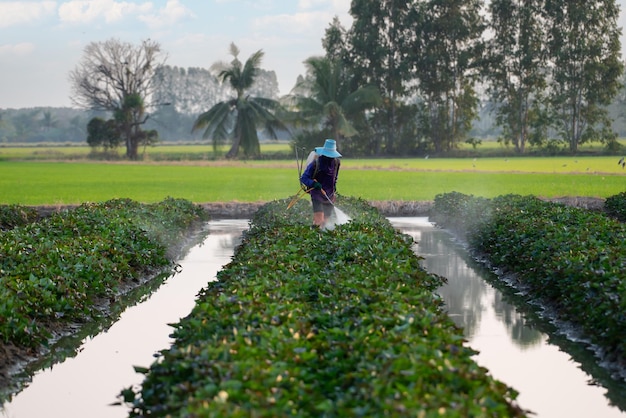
[329, 149]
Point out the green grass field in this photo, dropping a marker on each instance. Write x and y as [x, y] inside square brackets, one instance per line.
[204, 151]
[47, 152]
[58, 183]
[551, 165]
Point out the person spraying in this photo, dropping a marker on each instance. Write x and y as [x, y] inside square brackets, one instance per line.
[320, 176]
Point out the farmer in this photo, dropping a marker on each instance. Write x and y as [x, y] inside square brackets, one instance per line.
[320, 176]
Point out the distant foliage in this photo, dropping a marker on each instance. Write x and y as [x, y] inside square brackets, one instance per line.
[103, 133]
[43, 124]
[188, 93]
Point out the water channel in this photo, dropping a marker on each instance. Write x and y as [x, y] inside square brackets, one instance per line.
[511, 344]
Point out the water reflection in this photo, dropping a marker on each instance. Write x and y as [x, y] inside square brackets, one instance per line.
[466, 294]
[514, 351]
[510, 345]
[86, 385]
[519, 328]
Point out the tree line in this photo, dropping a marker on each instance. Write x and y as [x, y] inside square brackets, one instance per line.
[186, 91]
[547, 69]
[407, 78]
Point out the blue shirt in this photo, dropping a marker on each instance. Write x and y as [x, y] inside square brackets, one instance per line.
[327, 172]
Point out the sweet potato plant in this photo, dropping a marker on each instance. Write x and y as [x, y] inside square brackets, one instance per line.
[304, 322]
[61, 269]
[16, 215]
[570, 259]
[615, 206]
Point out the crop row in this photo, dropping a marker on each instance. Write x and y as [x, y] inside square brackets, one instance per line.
[12, 216]
[573, 260]
[60, 269]
[305, 322]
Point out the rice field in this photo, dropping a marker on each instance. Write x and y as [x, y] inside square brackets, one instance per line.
[59, 183]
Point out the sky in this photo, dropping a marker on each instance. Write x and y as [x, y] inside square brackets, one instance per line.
[42, 41]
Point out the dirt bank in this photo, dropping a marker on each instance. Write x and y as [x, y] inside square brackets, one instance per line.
[236, 210]
[239, 210]
[245, 210]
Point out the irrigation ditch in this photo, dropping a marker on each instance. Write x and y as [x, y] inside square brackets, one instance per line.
[18, 362]
[236, 210]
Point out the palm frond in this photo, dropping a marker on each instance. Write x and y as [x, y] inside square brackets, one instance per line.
[250, 70]
[264, 113]
[345, 128]
[310, 109]
[234, 50]
[240, 116]
[217, 122]
[362, 99]
[326, 97]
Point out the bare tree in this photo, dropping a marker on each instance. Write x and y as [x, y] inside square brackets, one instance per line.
[111, 75]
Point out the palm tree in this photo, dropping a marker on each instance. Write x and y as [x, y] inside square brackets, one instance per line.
[325, 97]
[239, 117]
[48, 122]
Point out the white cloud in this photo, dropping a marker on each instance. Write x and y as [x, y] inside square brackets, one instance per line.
[172, 13]
[295, 23]
[24, 48]
[338, 6]
[84, 11]
[309, 4]
[19, 12]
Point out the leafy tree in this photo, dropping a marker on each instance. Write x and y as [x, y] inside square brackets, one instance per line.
[49, 121]
[334, 41]
[584, 47]
[516, 66]
[114, 76]
[379, 45]
[103, 133]
[327, 99]
[129, 119]
[76, 127]
[25, 124]
[5, 128]
[447, 61]
[239, 117]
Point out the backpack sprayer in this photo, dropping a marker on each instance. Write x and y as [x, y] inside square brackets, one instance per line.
[303, 189]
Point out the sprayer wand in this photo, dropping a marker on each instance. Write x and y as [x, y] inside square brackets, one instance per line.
[326, 196]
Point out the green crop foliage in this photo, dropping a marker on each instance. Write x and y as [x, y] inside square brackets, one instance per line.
[16, 215]
[569, 258]
[616, 206]
[60, 269]
[305, 322]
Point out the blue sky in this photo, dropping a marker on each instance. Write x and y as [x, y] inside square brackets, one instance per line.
[42, 41]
